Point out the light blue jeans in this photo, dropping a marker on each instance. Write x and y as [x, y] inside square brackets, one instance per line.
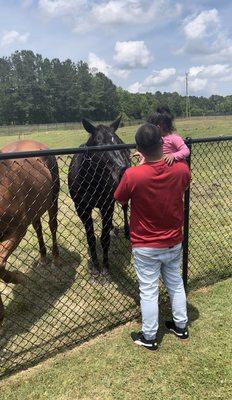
[149, 263]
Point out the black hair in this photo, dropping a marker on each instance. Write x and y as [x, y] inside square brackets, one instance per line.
[163, 110]
[148, 139]
[162, 117]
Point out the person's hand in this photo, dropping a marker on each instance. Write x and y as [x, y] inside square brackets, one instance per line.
[169, 158]
[136, 154]
[140, 156]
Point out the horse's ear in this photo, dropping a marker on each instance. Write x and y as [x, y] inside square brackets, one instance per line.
[116, 123]
[88, 126]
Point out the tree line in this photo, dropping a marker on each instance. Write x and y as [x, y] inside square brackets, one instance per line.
[37, 90]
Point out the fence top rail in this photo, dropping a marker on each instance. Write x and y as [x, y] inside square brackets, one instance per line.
[67, 151]
[86, 149]
[190, 140]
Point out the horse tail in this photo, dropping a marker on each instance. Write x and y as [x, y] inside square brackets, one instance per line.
[52, 165]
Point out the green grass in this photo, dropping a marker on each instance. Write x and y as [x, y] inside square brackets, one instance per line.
[112, 367]
[57, 138]
[60, 306]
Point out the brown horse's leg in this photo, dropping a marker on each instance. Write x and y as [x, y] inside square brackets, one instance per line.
[42, 248]
[53, 211]
[6, 248]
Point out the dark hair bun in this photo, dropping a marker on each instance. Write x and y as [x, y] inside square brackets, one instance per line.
[165, 110]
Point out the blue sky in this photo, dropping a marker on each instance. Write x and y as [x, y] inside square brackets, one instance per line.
[142, 45]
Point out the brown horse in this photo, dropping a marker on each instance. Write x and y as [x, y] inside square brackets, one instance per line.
[28, 188]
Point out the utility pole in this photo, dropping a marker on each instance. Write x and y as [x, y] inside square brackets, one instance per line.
[187, 101]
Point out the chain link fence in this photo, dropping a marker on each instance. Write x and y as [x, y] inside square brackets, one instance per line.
[60, 304]
[210, 218]
[23, 130]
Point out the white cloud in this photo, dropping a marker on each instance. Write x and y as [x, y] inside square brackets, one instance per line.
[203, 80]
[178, 85]
[116, 11]
[215, 70]
[135, 87]
[128, 55]
[132, 54]
[11, 37]
[197, 84]
[97, 64]
[88, 15]
[217, 50]
[221, 48]
[129, 11]
[199, 26]
[206, 39]
[159, 78]
[214, 74]
[57, 8]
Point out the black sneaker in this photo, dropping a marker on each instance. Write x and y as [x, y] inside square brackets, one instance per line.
[140, 340]
[181, 333]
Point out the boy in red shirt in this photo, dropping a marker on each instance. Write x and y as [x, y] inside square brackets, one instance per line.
[156, 191]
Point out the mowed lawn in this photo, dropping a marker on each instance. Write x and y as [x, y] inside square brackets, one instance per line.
[58, 138]
[112, 367]
[56, 309]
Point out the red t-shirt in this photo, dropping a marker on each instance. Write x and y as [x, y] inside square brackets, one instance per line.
[156, 192]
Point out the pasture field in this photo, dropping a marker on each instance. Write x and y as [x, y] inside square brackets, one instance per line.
[58, 307]
[111, 367]
[58, 138]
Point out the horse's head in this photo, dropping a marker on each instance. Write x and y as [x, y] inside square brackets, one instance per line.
[115, 161]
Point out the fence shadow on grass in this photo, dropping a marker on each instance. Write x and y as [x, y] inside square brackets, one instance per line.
[31, 302]
[210, 277]
[32, 324]
[122, 270]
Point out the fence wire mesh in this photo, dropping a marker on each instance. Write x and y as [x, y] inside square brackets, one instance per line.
[61, 304]
[210, 222]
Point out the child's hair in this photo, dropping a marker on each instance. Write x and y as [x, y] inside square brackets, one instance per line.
[148, 139]
[162, 117]
[163, 110]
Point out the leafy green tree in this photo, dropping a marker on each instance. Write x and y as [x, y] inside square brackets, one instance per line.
[34, 89]
[104, 98]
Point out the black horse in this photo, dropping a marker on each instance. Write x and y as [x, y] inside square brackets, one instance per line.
[92, 179]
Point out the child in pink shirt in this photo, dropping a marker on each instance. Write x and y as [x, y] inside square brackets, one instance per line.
[174, 147]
